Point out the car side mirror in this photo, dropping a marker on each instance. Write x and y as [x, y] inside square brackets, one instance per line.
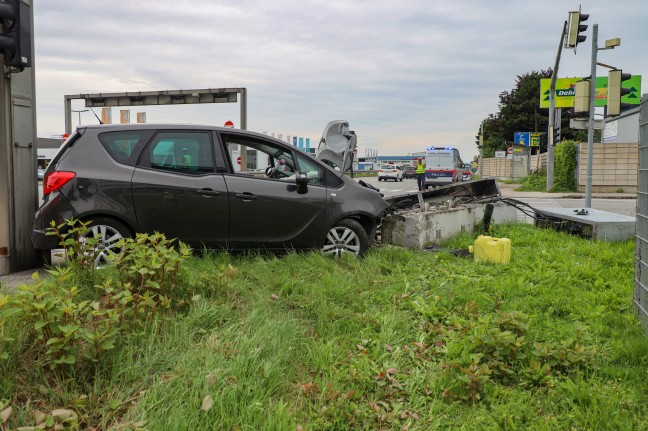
[302, 183]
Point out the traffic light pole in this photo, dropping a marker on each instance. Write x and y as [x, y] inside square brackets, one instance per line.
[590, 128]
[18, 157]
[552, 107]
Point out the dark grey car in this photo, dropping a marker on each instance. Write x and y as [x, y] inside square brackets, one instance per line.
[206, 186]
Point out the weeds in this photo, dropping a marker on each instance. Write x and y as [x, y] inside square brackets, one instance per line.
[398, 340]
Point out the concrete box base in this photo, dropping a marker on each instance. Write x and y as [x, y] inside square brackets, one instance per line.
[420, 229]
[592, 223]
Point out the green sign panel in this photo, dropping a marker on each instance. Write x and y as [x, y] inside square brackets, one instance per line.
[565, 91]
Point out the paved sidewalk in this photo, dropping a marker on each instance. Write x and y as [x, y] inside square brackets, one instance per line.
[9, 283]
[508, 191]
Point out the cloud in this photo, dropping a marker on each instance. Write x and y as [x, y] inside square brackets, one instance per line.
[404, 74]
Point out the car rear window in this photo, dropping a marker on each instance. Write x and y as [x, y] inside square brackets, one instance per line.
[124, 146]
[388, 167]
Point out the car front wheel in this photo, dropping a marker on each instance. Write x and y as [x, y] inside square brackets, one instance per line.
[106, 234]
[347, 236]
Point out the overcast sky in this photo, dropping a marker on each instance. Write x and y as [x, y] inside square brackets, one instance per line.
[405, 74]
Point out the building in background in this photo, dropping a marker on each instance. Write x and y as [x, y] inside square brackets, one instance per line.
[624, 128]
[46, 150]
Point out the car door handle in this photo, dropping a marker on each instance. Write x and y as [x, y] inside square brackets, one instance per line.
[208, 192]
[246, 196]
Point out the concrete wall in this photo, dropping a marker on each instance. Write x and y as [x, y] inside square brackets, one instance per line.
[520, 167]
[614, 167]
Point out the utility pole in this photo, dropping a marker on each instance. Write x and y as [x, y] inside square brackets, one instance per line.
[590, 128]
[18, 151]
[609, 44]
[552, 107]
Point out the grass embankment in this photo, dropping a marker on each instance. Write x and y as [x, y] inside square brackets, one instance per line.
[400, 340]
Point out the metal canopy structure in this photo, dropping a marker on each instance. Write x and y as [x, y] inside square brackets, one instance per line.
[164, 97]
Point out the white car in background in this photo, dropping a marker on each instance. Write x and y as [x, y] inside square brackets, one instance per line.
[390, 172]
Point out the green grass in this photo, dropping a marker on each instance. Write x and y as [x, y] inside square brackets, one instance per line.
[385, 342]
[536, 182]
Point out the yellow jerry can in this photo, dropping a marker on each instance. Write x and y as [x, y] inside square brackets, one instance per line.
[489, 249]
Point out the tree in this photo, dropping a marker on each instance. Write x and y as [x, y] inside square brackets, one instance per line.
[519, 111]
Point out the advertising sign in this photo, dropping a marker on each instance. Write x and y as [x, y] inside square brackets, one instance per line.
[500, 154]
[565, 91]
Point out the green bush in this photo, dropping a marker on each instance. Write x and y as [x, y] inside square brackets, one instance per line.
[565, 167]
[536, 182]
[564, 172]
[67, 324]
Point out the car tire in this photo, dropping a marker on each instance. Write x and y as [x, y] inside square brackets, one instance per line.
[346, 236]
[108, 232]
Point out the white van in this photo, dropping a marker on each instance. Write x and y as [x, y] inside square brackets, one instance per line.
[442, 166]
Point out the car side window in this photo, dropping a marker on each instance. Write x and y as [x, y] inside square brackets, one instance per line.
[259, 158]
[123, 146]
[314, 172]
[184, 152]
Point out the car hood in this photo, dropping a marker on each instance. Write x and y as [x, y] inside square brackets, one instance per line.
[337, 145]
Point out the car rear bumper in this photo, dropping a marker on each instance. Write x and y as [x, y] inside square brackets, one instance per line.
[438, 181]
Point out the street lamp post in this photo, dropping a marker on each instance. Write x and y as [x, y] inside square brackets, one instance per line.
[609, 44]
[80, 111]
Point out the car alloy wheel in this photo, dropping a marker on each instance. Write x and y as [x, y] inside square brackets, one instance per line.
[107, 235]
[347, 236]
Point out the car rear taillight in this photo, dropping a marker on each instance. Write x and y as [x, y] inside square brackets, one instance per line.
[394, 170]
[55, 180]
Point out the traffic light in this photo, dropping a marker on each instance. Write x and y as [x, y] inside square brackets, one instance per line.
[574, 36]
[556, 134]
[15, 36]
[543, 142]
[582, 96]
[616, 92]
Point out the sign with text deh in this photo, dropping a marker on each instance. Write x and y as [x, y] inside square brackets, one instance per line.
[565, 91]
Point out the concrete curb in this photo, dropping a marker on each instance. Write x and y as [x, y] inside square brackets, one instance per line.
[600, 196]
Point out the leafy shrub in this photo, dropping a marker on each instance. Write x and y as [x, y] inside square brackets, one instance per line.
[564, 172]
[68, 325]
[536, 182]
[485, 348]
[565, 167]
